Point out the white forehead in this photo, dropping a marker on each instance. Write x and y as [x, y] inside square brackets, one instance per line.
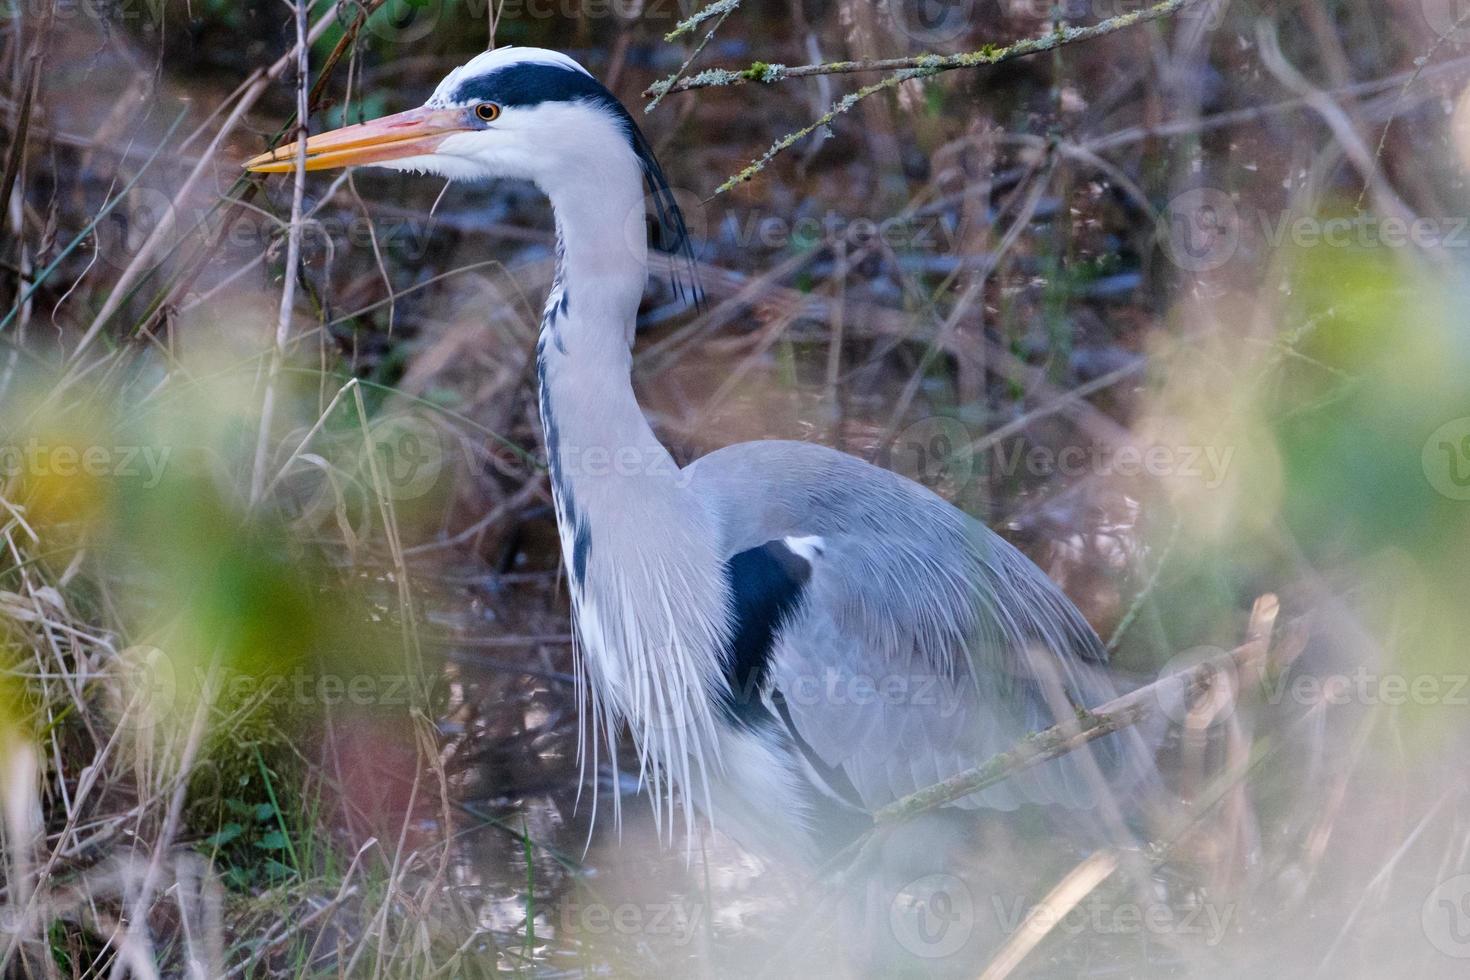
[493, 61]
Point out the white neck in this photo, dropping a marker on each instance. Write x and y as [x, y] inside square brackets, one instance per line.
[641, 552]
[585, 352]
[604, 247]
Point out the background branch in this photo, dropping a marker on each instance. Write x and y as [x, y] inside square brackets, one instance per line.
[924, 64]
[904, 69]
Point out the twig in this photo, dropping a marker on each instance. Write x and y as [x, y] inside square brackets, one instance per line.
[1042, 177]
[904, 70]
[344, 42]
[1382, 108]
[1145, 593]
[173, 817]
[1116, 715]
[40, 278]
[1420, 64]
[924, 64]
[720, 8]
[1120, 713]
[250, 93]
[27, 101]
[293, 259]
[1385, 197]
[247, 188]
[727, 8]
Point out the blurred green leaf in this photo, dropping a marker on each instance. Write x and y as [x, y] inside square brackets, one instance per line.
[224, 835]
[273, 841]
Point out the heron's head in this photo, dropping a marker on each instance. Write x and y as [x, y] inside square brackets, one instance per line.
[524, 113]
[513, 112]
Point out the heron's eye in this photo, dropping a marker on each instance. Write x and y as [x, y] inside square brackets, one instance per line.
[487, 111]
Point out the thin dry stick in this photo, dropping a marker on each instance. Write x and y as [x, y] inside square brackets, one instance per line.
[184, 282]
[316, 427]
[1178, 688]
[1420, 64]
[16, 157]
[1383, 107]
[38, 279]
[365, 10]
[293, 259]
[171, 823]
[974, 292]
[1385, 198]
[250, 93]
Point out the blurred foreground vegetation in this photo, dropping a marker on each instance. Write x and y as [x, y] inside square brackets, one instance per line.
[288, 689]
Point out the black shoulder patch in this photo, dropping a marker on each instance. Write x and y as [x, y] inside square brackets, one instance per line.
[766, 586]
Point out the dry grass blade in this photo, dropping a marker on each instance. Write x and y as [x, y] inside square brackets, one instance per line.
[293, 258]
[18, 136]
[249, 94]
[1049, 912]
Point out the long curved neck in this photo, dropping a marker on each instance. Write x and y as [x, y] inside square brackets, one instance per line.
[641, 551]
[602, 259]
[604, 458]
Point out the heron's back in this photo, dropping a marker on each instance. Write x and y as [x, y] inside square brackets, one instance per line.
[923, 643]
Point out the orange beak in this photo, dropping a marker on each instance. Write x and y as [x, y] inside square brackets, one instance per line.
[407, 134]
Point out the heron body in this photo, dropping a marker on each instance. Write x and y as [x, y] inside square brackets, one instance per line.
[793, 636]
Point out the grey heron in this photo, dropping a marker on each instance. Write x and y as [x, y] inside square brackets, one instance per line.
[793, 636]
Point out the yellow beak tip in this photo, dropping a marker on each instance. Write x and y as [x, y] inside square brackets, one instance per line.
[412, 133]
[263, 164]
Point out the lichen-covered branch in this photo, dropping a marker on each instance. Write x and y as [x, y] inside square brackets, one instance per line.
[1118, 714]
[720, 8]
[724, 8]
[929, 64]
[838, 108]
[902, 70]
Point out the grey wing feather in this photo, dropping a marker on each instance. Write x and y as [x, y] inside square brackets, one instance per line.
[925, 643]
